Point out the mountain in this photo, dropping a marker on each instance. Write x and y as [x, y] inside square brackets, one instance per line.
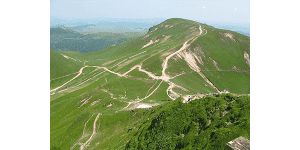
[176, 61]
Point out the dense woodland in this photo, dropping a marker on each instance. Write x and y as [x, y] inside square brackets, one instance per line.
[207, 123]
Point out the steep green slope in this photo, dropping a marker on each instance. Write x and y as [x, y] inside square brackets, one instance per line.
[174, 59]
[207, 123]
[214, 50]
[61, 66]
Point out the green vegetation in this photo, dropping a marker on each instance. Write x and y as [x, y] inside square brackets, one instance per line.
[233, 81]
[63, 39]
[60, 66]
[194, 83]
[160, 95]
[134, 88]
[219, 47]
[199, 124]
[57, 82]
[207, 123]
[136, 73]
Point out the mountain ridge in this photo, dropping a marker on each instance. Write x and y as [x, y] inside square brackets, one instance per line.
[176, 58]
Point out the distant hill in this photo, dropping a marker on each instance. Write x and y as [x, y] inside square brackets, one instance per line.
[60, 31]
[68, 39]
[134, 95]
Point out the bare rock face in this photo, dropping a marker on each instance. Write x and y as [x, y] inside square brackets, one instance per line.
[247, 58]
[240, 143]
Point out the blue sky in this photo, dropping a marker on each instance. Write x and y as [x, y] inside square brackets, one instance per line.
[204, 11]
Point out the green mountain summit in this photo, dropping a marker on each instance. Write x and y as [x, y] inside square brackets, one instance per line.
[171, 73]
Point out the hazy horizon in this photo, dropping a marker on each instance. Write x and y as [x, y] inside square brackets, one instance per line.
[204, 11]
[230, 14]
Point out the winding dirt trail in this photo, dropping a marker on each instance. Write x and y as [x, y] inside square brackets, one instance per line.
[63, 76]
[142, 70]
[79, 83]
[172, 92]
[165, 62]
[151, 87]
[185, 46]
[107, 70]
[69, 57]
[164, 77]
[151, 92]
[80, 71]
[84, 145]
[207, 81]
[78, 143]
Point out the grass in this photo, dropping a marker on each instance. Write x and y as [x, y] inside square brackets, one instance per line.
[60, 66]
[137, 74]
[115, 130]
[177, 66]
[215, 45]
[153, 65]
[134, 88]
[234, 82]
[178, 90]
[66, 113]
[194, 83]
[57, 82]
[70, 109]
[85, 78]
[160, 95]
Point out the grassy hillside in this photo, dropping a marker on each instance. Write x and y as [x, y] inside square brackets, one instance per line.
[99, 108]
[207, 123]
[61, 66]
[199, 124]
[215, 50]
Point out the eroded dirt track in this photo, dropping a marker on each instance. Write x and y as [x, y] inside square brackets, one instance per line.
[86, 144]
[164, 77]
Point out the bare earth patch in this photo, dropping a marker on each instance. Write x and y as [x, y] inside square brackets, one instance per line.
[69, 57]
[215, 64]
[166, 38]
[150, 43]
[143, 105]
[86, 144]
[145, 36]
[127, 62]
[94, 102]
[229, 35]
[234, 68]
[111, 61]
[247, 57]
